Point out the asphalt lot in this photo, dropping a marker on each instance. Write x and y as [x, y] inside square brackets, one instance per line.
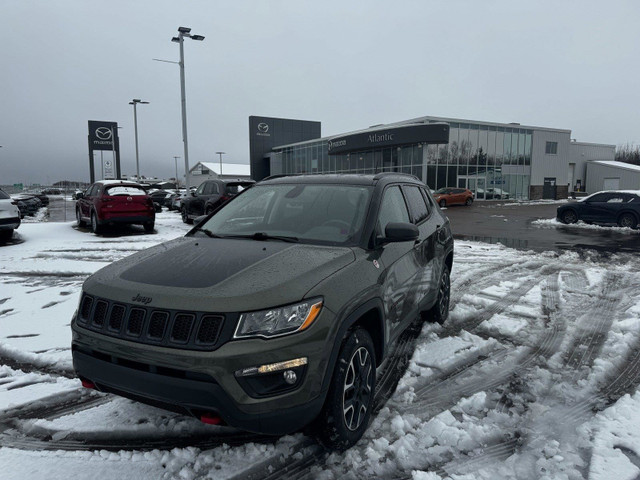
[510, 224]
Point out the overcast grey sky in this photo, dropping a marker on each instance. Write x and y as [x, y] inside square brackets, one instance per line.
[348, 64]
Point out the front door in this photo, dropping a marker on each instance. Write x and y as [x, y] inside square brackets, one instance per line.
[398, 260]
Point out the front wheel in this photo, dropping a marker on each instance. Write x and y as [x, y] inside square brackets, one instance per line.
[148, 226]
[347, 409]
[79, 220]
[6, 235]
[185, 217]
[468, 201]
[627, 220]
[569, 216]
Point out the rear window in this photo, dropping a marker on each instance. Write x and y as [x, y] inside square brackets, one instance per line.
[124, 190]
[3, 195]
[419, 209]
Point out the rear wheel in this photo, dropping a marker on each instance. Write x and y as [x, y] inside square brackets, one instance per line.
[79, 218]
[185, 217]
[148, 226]
[208, 210]
[95, 226]
[440, 310]
[347, 409]
[6, 235]
[627, 220]
[443, 203]
[569, 216]
[468, 201]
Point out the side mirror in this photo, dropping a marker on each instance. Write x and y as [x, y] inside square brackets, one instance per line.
[199, 220]
[79, 195]
[400, 232]
[193, 194]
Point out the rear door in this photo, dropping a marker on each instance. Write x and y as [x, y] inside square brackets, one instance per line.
[87, 201]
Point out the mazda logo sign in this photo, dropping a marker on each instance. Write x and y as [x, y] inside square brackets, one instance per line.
[103, 133]
[263, 127]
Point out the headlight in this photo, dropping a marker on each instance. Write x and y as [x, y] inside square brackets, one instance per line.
[279, 321]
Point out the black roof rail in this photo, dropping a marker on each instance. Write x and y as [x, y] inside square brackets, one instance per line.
[380, 175]
[280, 175]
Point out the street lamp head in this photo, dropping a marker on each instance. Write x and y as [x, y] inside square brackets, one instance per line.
[184, 29]
[175, 39]
[197, 37]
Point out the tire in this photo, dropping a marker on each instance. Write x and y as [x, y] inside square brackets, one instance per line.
[569, 216]
[627, 220]
[79, 220]
[442, 203]
[185, 218]
[95, 226]
[6, 235]
[353, 384]
[440, 310]
[208, 210]
[148, 226]
[468, 201]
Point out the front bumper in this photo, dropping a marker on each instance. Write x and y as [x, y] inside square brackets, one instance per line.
[197, 382]
[123, 218]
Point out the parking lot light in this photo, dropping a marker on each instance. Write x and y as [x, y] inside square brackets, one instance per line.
[135, 102]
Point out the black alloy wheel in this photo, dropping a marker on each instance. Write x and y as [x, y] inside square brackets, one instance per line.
[627, 220]
[79, 218]
[440, 310]
[185, 217]
[349, 403]
[569, 216]
[95, 226]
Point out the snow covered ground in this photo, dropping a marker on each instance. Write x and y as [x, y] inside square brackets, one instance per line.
[580, 225]
[535, 375]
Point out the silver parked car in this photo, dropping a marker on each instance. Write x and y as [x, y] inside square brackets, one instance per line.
[9, 216]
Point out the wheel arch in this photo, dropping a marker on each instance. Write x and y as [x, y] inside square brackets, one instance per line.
[368, 316]
[631, 212]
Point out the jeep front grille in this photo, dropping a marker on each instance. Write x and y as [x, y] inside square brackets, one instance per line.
[170, 328]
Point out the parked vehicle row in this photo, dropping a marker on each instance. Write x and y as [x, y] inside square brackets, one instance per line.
[30, 203]
[209, 196]
[9, 216]
[619, 207]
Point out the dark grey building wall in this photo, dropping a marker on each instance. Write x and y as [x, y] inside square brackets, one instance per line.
[268, 132]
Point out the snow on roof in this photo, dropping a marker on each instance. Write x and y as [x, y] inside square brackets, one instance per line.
[242, 169]
[116, 182]
[613, 163]
[631, 192]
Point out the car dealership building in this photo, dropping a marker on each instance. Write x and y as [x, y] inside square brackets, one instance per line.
[494, 160]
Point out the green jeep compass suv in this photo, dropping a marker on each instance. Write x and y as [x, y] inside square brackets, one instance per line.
[278, 308]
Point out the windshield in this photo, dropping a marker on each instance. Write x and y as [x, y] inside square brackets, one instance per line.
[325, 214]
[442, 190]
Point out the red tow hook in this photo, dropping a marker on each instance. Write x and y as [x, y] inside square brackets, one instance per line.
[88, 384]
[210, 419]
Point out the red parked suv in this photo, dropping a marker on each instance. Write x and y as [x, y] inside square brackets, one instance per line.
[115, 201]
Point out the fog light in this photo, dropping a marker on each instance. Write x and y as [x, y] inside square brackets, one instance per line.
[271, 367]
[290, 377]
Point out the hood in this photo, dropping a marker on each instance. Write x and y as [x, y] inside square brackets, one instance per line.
[219, 275]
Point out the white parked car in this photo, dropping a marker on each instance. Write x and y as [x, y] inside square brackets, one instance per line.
[9, 216]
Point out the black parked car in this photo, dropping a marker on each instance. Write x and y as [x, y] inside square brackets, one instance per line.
[209, 196]
[28, 204]
[279, 309]
[161, 197]
[613, 207]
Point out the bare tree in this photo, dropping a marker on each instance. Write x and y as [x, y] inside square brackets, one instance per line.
[628, 154]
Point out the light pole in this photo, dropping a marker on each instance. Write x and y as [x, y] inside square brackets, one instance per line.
[221, 153]
[184, 32]
[135, 102]
[177, 181]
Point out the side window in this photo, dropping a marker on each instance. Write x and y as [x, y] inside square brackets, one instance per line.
[200, 189]
[208, 188]
[634, 199]
[618, 198]
[93, 190]
[428, 199]
[602, 197]
[214, 190]
[393, 209]
[419, 209]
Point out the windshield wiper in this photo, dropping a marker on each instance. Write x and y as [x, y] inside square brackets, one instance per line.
[255, 236]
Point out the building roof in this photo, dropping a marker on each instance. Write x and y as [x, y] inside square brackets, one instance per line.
[426, 119]
[612, 163]
[231, 169]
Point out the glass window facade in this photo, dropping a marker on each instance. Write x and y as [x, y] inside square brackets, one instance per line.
[489, 160]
